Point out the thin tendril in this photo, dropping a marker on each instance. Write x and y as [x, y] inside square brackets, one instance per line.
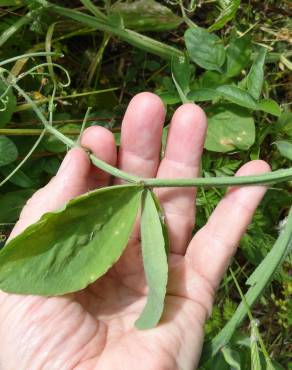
[24, 74]
[29, 55]
[33, 148]
[83, 125]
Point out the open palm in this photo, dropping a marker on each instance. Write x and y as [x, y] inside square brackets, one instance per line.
[94, 328]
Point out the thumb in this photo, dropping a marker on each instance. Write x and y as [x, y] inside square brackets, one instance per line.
[70, 181]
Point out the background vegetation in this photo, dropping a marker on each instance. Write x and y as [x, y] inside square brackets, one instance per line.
[108, 63]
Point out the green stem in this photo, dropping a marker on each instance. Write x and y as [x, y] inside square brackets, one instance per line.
[266, 178]
[66, 140]
[113, 170]
[186, 19]
[83, 125]
[34, 131]
[72, 144]
[23, 107]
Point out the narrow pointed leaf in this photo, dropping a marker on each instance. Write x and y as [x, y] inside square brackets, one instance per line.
[238, 96]
[269, 106]
[155, 263]
[68, 249]
[232, 357]
[255, 77]
[285, 148]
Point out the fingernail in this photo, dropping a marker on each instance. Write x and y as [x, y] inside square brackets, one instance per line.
[65, 164]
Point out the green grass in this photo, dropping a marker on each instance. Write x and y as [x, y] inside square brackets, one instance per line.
[109, 61]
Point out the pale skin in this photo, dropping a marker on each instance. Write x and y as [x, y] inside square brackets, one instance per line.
[94, 328]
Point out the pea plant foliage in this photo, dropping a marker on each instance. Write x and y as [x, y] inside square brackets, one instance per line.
[70, 248]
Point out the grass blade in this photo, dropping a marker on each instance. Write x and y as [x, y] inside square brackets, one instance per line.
[259, 280]
[140, 41]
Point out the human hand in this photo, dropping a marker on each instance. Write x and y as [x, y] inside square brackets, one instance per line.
[94, 328]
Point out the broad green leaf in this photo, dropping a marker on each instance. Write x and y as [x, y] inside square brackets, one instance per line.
[269, 106]
[7, 105]
[53, 145]
[180, 71]
[203, 94]
[238, 96]
[205, 49]
[228, 11]
[8, 151]
[231, 357]
[51, 165]
[285, 148]
[19, 178]
[210, 80]
[11, 204]
[170, 97]
[229, 128]
[146, 15]
[155, 263]
[259, 279]
[255, 77]
[238, 55]
[69, 249]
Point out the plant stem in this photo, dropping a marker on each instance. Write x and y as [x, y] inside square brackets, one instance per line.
[113, 170]
[23, 107]
[35, 131]
[72, 144]
[266, 178]
[66, 140]
[83, 125]
[187, 20]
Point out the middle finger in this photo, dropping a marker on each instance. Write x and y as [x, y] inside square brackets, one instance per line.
[141, 135]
